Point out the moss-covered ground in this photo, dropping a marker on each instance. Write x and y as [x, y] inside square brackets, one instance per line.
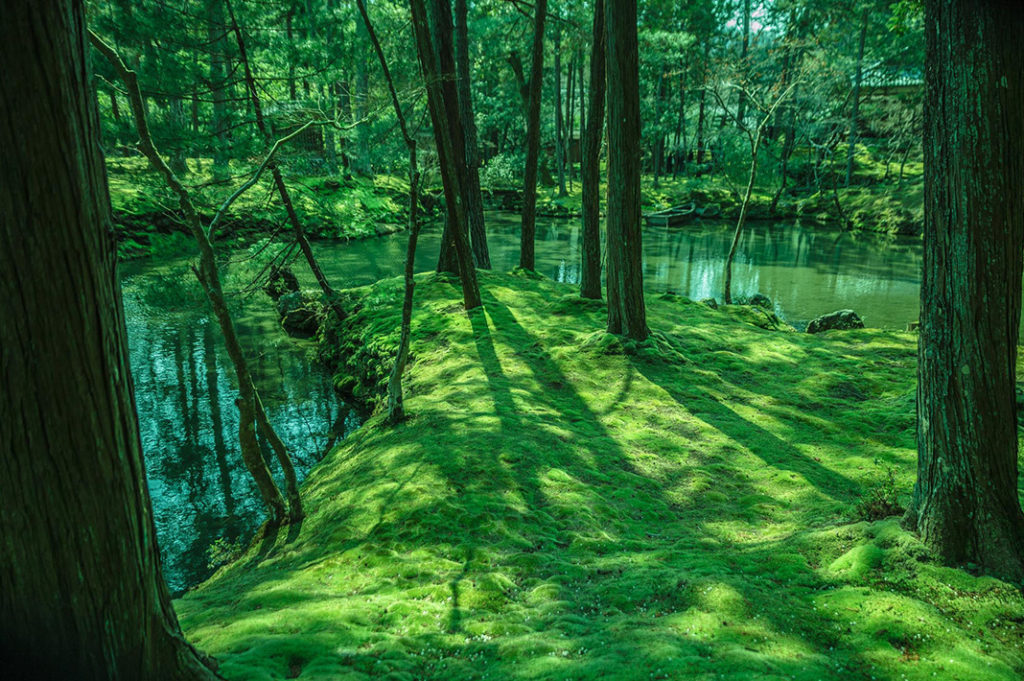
[561, 505]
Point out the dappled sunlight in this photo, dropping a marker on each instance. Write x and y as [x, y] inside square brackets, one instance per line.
[562, 507]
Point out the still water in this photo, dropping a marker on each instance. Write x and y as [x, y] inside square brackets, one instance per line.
[185, 388]
[806, 272]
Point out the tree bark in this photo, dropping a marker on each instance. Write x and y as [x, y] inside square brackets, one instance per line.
[215, 37]
[526, 246]
[474, 196]
[438, 66]
[626, 312]
[82, 595]
[559, 142]
[965, 502]
[590, 171]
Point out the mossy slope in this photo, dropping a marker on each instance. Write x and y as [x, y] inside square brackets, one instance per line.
[563, 506]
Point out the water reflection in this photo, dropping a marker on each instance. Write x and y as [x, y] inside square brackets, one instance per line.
[806, 272]
[185, 390]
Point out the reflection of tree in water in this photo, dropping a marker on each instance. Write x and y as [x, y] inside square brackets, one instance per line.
[184, 397]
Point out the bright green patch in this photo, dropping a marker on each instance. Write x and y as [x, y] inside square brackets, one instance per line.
[563, 504]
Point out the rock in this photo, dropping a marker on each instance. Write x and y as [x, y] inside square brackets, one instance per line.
[300, 313]
[839, 320]
[282, 281]
[711, 302]
[761, 300]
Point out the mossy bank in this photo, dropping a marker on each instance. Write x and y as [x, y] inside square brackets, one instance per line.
[563, 505]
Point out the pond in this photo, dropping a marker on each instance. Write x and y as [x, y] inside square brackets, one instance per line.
[806, 272]
[185, 388]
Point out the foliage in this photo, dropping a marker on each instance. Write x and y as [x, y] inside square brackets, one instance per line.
[882, 500]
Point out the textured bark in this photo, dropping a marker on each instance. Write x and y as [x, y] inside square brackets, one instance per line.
[82, 595]
[965, 501]
[626, 312]
[438, 66]
[529, 220]
[474, 197]
[590, 171]
[209, 278]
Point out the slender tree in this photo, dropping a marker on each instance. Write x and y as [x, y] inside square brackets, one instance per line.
[965, 502]
[529, 223]
[396, 404]
[855, 110]
[82, 595]
[626, 312]
[250, 407]
[590, 172]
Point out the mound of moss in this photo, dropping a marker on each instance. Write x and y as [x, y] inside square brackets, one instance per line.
[564, 504]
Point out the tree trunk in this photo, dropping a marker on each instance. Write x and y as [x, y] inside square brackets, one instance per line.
[282, 189]
[570, 120]
[744, 207]
[209, 278]
[854, 112]
[626, 312]
[965, 502]
[438, 66]
[215, 37]
[742, 109]
[362, 166]
[526, 252]
[474, 196]
[659, 137]
[83, 595]
[559, 142]
[590, 170]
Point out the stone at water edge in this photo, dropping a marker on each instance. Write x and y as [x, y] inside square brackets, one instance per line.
[839, 320]
[710, 302]
[300, 313]
[761, 300]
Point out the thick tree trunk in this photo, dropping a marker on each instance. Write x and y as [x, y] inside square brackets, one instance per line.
[855, 111]
[438, 66]
[474, 196]
[526, 246]
[626, 312]
[590, 170]
[965, 501]
[82, 595]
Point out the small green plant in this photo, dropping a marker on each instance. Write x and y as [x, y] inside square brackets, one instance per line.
[222, 551]
[882, 500]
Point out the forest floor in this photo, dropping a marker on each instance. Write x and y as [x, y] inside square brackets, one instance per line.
[562, 504]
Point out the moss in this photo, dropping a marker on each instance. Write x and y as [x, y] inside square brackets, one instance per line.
[561, 504]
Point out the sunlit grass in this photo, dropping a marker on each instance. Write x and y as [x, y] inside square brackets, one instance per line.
[565, 505]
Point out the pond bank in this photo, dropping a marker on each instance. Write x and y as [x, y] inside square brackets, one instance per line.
[565, 505]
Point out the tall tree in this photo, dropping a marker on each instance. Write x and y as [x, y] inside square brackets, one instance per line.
[434, 49]
[474, 197]
[855, 110]
[529, 223]
[965, 502]
[590, 172]
[81, 590]
[626, 312]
